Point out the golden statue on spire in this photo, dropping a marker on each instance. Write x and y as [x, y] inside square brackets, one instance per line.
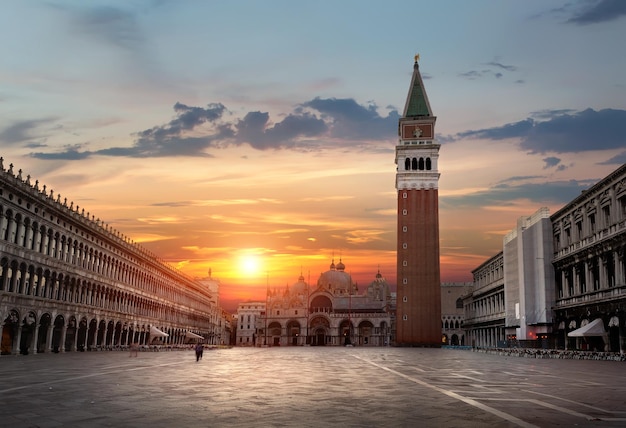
[417, 57]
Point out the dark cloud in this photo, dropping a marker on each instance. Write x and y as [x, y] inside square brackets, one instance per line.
[585, 131]
[616, 160]
[348, 119]
[519, 178]
[502, 66]
[194, 130]
[255, 130]
[494, 70]
[563, 133]
[112, 25]
[479, 74]
[171, 139]
[510, 130]
[551, 161]
[599, 11]
[165, 140]
[505, 193]
[23, 131]
[549, 114]
[71, 154]
[472, 74]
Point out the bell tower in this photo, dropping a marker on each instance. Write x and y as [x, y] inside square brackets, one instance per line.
[418, 315]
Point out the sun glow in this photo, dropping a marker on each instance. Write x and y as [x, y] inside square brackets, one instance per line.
[250, 264]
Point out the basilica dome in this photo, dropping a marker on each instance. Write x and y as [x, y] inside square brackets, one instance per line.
[300, 287]
[379, 289]
[336, 280]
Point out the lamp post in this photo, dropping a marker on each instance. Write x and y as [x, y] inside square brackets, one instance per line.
[267, 293]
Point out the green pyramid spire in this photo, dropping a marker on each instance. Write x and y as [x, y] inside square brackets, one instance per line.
[417, 102]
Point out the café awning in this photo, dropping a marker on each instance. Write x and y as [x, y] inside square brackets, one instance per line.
[193, 335]
[155, 332]
[594, 328]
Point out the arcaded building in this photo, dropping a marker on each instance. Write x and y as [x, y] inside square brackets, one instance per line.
[560, 280]
[70, 282]
[589, 237]
[452, 312]
[484, 305]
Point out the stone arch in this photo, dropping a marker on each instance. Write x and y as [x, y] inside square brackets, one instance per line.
[319, 327]
[83, 333]
[346, 332]
[294, 332]
[9, 332]
[45, 324]
[274, 332]
[454, 340]
[110, 333]
[321, 303]
[366, 333]
[117, 334]
[4, 272]
[57, 333]
[91, 334]
[70, 334]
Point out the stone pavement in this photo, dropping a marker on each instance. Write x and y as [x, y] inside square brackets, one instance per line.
[309, 387]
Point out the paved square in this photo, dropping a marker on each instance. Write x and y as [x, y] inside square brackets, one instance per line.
[309, 387]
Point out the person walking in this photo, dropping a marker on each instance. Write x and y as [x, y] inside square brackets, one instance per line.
[134, 349]
[199, 349]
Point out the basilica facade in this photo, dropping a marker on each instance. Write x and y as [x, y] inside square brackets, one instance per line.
[69, 282]
[333, 312]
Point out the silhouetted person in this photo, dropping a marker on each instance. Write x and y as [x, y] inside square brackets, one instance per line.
[134, 349]
[199, 349]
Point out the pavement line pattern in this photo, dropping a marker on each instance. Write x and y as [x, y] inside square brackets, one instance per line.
[454, 395]
[69, 379]
[579, 404]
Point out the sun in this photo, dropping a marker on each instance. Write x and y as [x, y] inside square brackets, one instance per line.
[250, 264]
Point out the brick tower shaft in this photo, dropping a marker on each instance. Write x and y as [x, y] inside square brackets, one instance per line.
[418, 315]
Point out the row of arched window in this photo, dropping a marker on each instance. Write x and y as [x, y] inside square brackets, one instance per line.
[29, 280]
[451, 324]
[33, 234]
[415, 164]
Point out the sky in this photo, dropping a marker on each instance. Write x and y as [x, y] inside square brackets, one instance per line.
[257, 139]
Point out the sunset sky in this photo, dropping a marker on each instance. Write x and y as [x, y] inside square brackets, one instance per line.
[256, 138]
